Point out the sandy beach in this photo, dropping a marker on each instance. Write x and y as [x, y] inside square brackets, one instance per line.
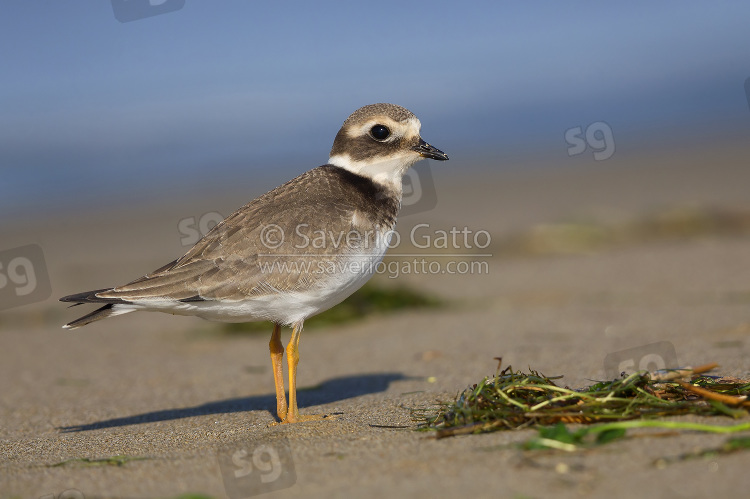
[189, 405]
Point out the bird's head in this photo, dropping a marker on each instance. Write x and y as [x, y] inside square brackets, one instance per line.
[381, 142]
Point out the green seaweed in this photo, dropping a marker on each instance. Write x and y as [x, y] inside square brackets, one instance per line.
[367, 301]
[513, 399]
[119, 460]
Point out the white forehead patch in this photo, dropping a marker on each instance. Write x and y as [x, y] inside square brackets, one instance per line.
[408, 128]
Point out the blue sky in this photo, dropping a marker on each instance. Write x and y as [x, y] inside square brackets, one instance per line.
[94, 109]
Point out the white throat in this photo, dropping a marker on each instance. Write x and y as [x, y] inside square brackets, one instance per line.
[386, 171]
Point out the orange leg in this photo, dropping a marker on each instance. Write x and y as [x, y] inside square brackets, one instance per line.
[292, 359]
[277, 356]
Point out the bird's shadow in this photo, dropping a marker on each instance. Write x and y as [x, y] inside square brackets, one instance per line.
[329, 391]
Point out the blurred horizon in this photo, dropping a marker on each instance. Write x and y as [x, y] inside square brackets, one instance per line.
[96, 111]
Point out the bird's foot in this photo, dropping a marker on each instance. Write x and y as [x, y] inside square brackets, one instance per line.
[301, 418]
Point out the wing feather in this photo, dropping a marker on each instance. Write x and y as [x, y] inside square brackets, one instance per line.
[228, 263]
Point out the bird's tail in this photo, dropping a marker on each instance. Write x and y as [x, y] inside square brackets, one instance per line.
[112, 307]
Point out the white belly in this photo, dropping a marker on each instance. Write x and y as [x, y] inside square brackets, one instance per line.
[334, 285]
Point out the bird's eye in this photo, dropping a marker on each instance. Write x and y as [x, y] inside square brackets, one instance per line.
[380, 132]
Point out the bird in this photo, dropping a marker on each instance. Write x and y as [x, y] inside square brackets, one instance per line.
[267, 262]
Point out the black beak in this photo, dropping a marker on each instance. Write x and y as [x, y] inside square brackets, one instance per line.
[427, 151]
